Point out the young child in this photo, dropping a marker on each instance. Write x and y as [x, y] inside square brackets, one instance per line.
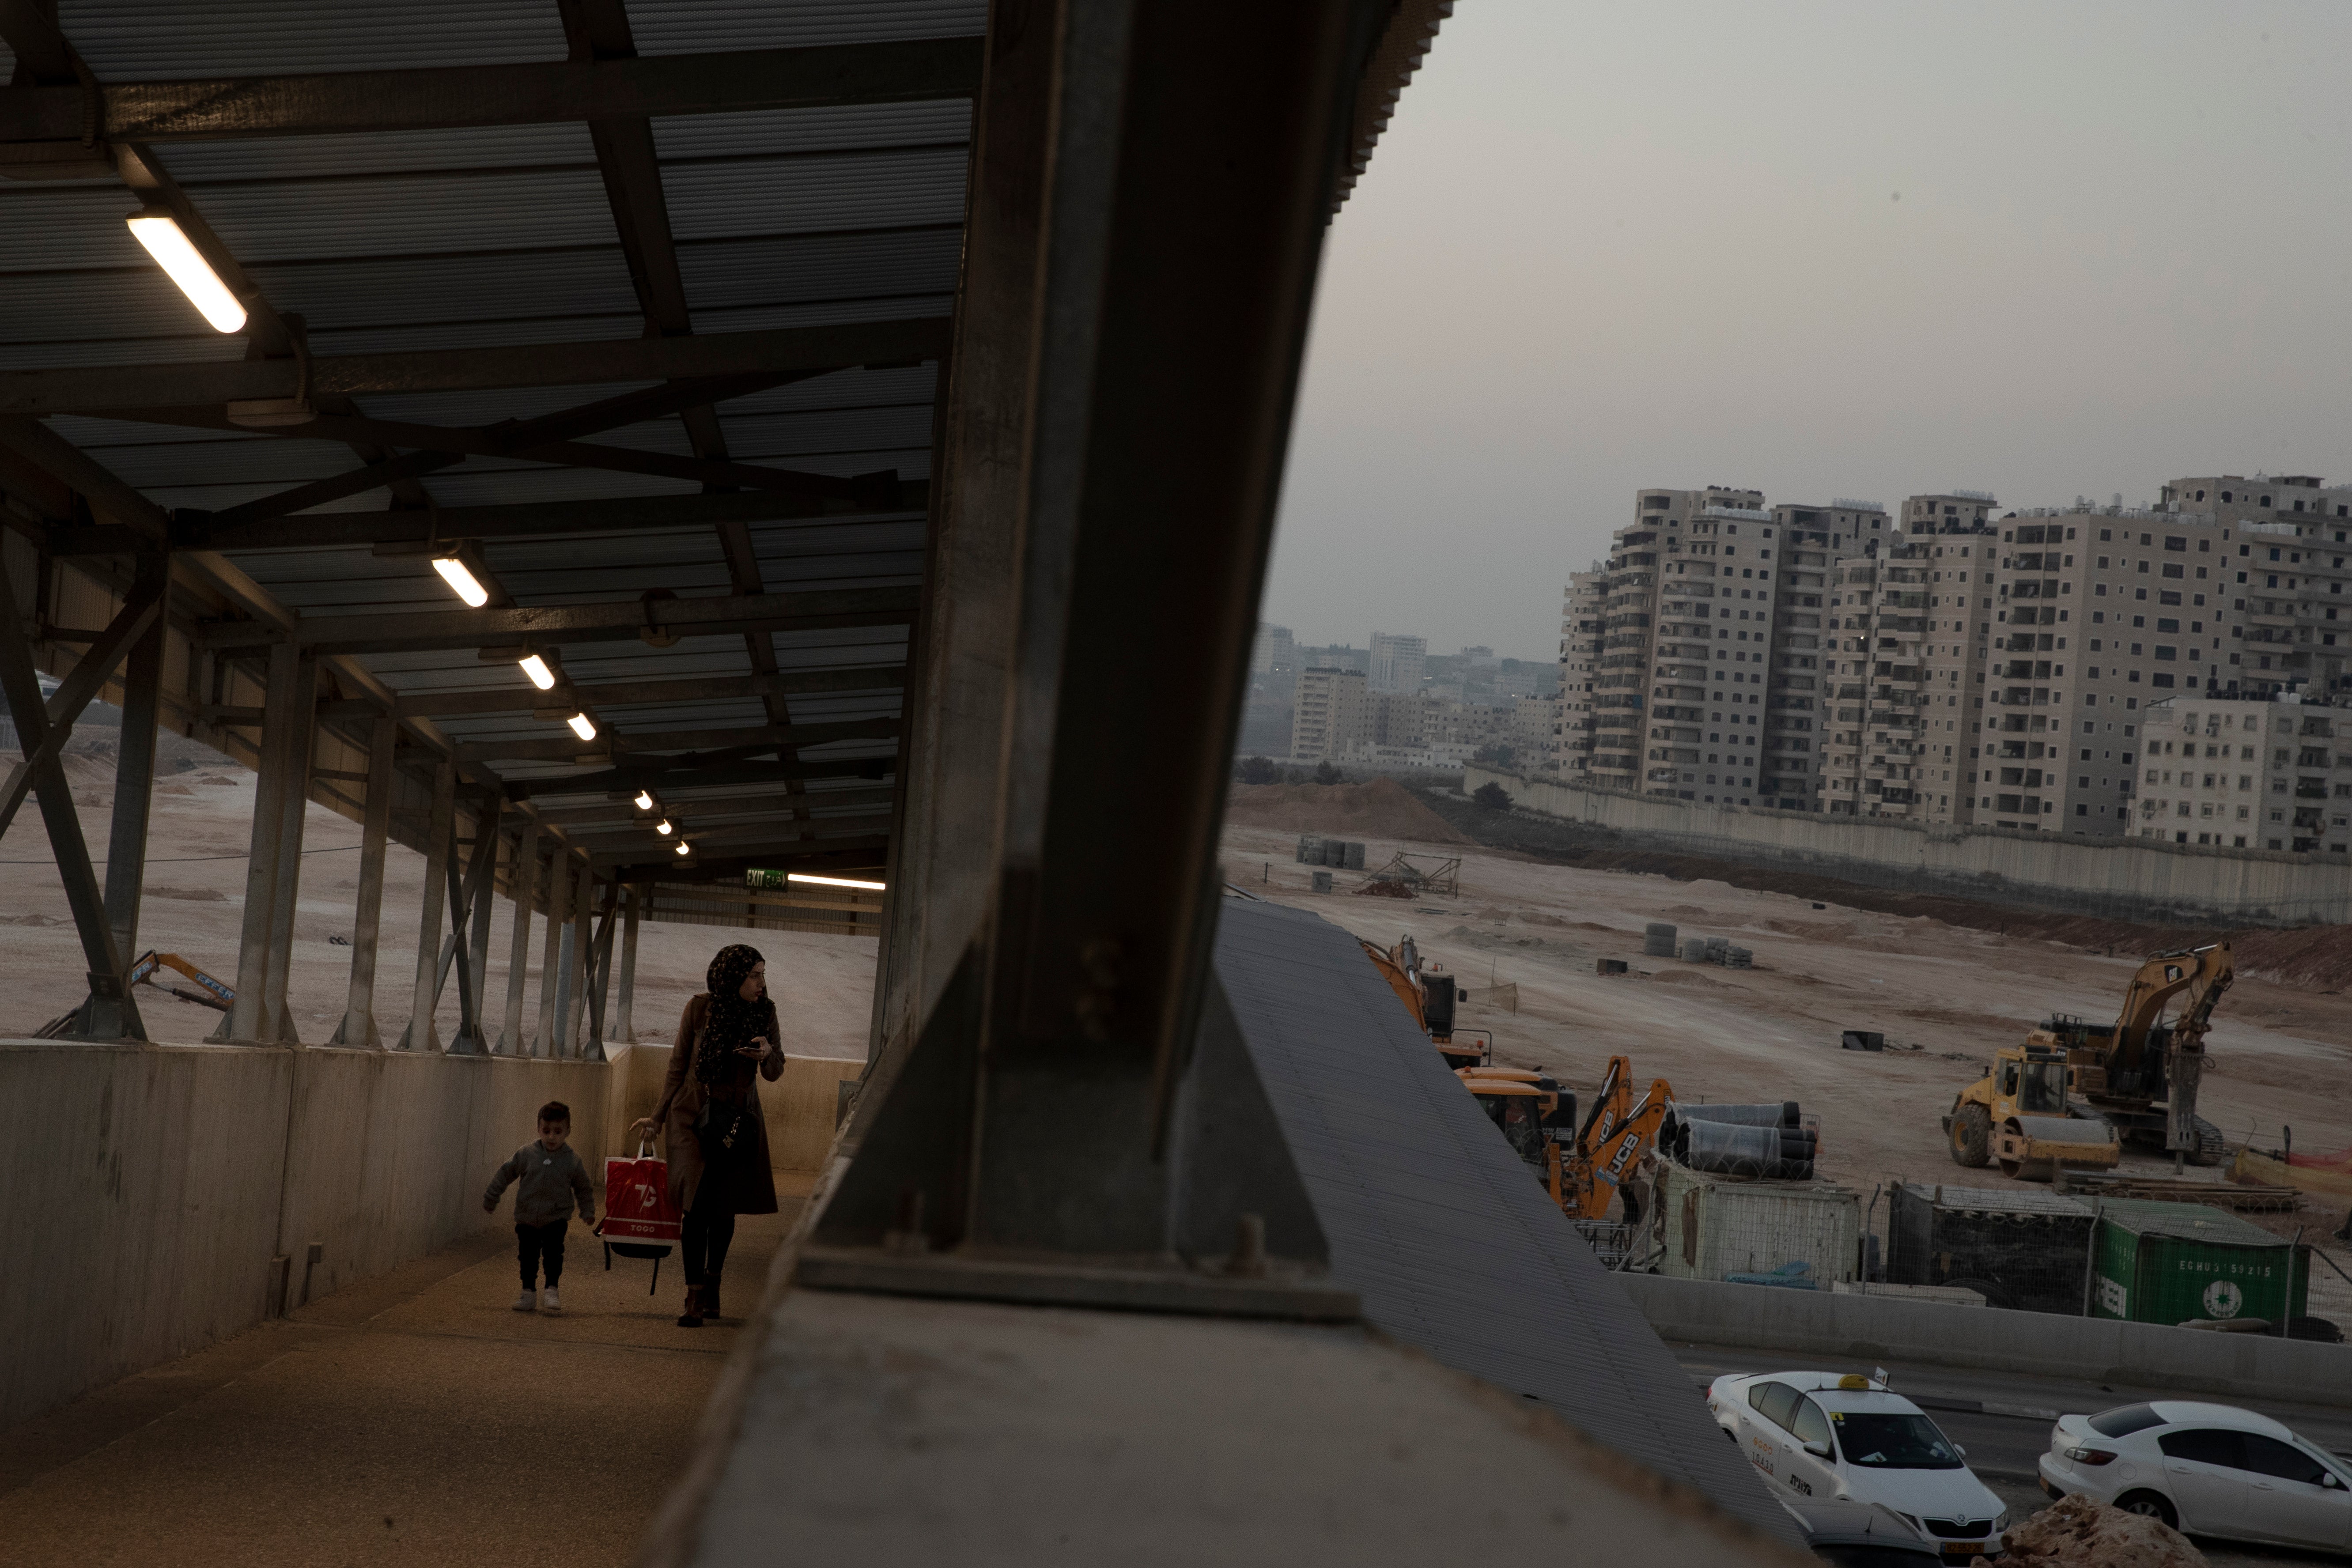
[551, 1177]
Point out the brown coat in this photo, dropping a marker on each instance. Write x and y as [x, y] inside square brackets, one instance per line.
[753, 1185]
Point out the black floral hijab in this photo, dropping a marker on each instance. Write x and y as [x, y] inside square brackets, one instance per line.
[731, 1022]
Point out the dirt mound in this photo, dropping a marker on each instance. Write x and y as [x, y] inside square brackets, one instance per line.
[192, 895]
[1684, 977]
[1381, 809]
[1687, 913]
[2076, 1533]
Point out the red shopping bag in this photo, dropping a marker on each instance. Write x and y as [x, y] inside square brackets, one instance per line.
[636, 1200]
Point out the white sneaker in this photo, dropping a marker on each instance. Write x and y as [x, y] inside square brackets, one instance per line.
[525, 1303]
[547, 1302]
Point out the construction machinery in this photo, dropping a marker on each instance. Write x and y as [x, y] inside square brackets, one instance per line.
[1429, 994]
[1588, 1171]
[2137, 1079]
[217, 995]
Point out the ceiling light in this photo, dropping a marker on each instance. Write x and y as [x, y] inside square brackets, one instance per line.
[682, 848]
[454, 573]
[836, 882]
[582, 726]
[664, 827]
[536, 667]
[160, 233]
[645, 800]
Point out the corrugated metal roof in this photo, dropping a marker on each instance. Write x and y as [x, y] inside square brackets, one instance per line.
[198, 165]
[772, 270]
[880, 189]
[1436, 1223]
[410, 214]
[684, 136]
[693, 26]
[161, 40]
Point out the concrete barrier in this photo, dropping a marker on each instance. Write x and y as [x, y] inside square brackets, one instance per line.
[2119, 878]
[798, 1106]
[144, 1190]
[1863, 1327]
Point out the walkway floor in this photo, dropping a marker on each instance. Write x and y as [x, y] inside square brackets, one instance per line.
[415, 1419]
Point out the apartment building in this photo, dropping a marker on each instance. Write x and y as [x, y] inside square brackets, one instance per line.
[1398, 662]
[2293, 563]
[1579, 649]
[2247, 775]
[1810, 540]
[1273, 651]
[1328, 718]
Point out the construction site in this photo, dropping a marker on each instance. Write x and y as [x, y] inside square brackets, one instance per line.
[1872, 1026]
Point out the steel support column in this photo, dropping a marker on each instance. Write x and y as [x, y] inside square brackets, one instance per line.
[440, 828]
[554, 963]
[600, 973]
[249, 1019]
[358, 1028]
[111, 1017]
[624, 1026]
[580, 957]
[481, 889]
[522, 885]
[42, 773]
[293, 800]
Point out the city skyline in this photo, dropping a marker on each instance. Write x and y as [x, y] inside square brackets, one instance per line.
[1549, 292]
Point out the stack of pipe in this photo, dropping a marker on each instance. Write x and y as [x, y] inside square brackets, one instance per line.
[1768, 1141]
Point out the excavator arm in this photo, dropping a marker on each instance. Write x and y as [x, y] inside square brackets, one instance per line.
[1618, 1131]
[2196, 977]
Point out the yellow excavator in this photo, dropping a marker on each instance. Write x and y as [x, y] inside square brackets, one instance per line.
[2137, 1079]
[217, 995]
[1429, 994]
[1618, 1131]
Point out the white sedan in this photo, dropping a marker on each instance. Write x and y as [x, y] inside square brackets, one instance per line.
[2205, 1469]
[1820, 1433]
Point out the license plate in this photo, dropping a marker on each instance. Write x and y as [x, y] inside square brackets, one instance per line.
[1965, 1549]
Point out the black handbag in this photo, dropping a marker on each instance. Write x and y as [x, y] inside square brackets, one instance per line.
[728, 1132]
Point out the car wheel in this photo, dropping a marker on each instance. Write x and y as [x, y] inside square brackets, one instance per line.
[1971, 1136]
[2152, 1505]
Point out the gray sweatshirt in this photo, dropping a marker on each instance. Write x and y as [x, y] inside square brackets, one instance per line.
[549, 1185]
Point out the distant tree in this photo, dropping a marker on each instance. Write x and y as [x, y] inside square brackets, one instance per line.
[1325, 774]
[1257, 771]
[1491, 795]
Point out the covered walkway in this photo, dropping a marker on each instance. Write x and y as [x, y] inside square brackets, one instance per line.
[414, 1418]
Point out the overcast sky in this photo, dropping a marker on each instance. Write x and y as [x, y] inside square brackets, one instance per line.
[2046, 250]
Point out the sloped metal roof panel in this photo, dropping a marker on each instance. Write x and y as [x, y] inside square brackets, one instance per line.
[276, 160]
[782, 270]
[162, 40]
[1437, 1225]
[410, 215]
[775, 131]
[691, 26]
[885, 188]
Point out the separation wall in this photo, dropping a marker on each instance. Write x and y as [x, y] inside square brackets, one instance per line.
[2115, 878]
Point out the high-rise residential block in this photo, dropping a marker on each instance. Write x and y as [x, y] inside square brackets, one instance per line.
[1398, 662]
[1274, 650]
[2247, 775]
[1579, 649]
[1328, 718]
[1809, 540]
[2293, 570]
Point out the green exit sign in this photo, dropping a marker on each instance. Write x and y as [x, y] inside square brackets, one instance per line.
[757, 878]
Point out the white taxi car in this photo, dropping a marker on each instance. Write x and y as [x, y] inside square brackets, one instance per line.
[2207, 1469]
[1821, 1434]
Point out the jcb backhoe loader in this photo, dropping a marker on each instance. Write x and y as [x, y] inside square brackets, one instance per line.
[2137, 1078]
[1429, 994]
[1618, 1131]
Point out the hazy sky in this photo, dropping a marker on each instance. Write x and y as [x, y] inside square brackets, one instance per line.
[2046, 250]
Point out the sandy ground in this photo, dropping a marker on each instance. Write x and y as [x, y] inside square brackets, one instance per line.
[200, 831]
[2279, 1056]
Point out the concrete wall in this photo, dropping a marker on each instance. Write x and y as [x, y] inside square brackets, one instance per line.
[1863, 1327]
[2115, 877]
[798, 1106]
[145, 1189]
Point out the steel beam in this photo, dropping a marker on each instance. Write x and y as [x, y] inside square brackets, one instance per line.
[140, 613]
[358, 1026]
[656, 773]
[520, 519]
[599, 978]
[522, 884]
[54, 455]
[465, 900]
[440, 828]
[434, 98]
[591, 817]
[579, 958]
[638, 864]
[508, 698]
[615, 743]
[549, 625]
[481, 889]
[554, 953]
[208, 383]
[778, 830]
[292, 811]
[104, 1017]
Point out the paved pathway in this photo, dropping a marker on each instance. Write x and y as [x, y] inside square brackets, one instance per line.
[413, 1419]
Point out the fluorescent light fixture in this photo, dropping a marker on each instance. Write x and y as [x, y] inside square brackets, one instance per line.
[664, 827]
[453, 572]
[683, 849]
[160, 232]
[836, 882]
[645, 800]
[536, 667]
[582, 726]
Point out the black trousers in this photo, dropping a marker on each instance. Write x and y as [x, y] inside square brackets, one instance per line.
[535, 1243]
[710, 1231]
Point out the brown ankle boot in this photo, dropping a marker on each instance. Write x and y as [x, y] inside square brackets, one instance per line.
[692, 1316]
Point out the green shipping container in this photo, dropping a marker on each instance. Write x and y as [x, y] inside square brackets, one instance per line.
[2169, 1263]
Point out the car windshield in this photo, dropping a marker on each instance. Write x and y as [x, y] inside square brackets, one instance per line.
[2126, 1419]
[1893, 1442]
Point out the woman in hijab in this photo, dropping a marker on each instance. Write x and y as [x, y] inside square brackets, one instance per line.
[709, 1116]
